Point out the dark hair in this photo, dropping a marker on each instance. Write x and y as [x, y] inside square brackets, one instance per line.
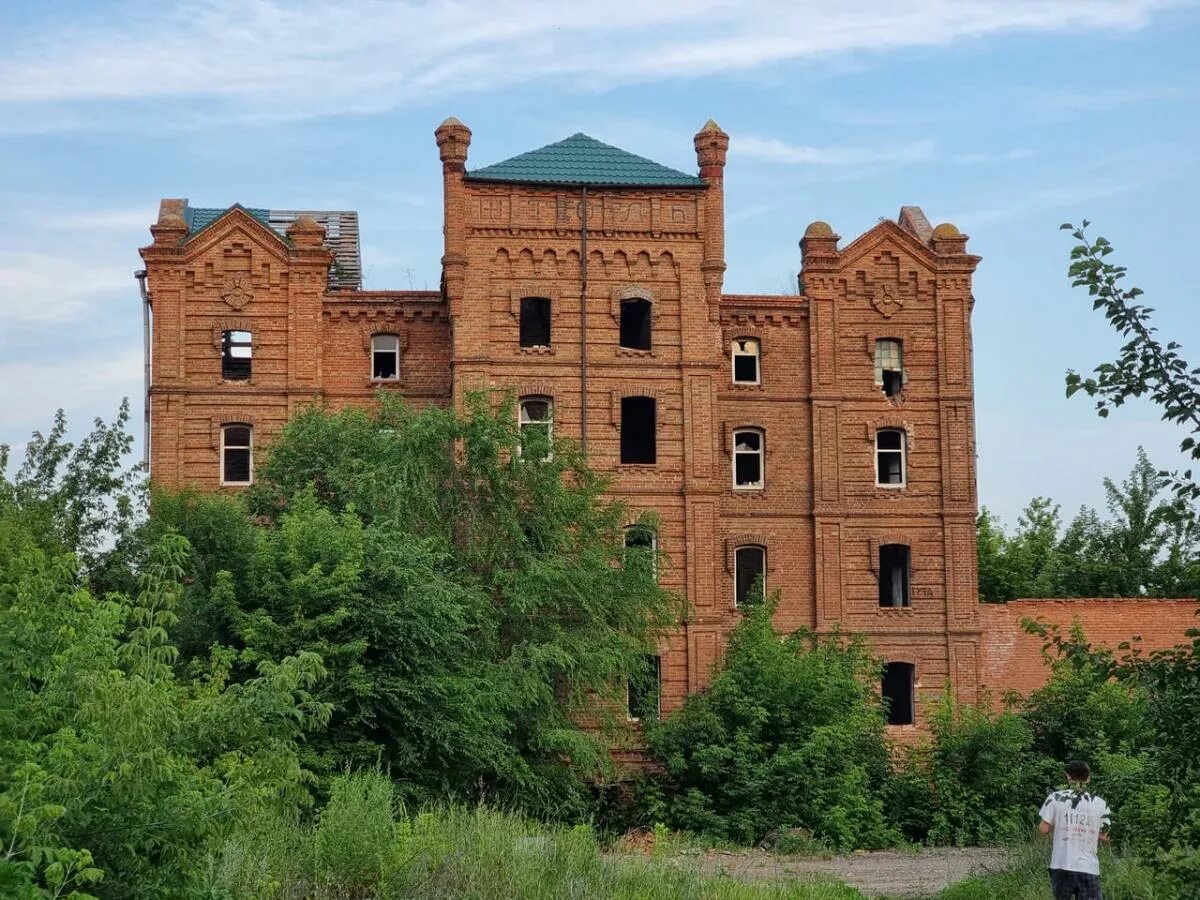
[1078, 770]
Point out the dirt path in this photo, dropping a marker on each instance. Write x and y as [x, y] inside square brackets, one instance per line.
[883, 873]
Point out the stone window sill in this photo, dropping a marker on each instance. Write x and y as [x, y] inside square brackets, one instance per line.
[542, 350]
[637, 468]
[383, 382]
[636, 354]
[894, 610]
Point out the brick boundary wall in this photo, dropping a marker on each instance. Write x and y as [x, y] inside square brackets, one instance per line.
[1012, 658]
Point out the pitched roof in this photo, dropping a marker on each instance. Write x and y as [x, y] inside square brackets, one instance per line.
[581, 159]
[341, 234]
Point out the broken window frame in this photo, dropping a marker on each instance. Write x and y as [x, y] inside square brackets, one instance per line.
[526, 420]
[895, 576]
[642, 538]
[236, 366]
[641, 688]
[627, 438]
[903, 688]
[643, 339]
[742, 349]
[742, 588]
[760, 453]
[889, 361]
[379, 351]
[228, 448]
[534, 322]
[888, 459]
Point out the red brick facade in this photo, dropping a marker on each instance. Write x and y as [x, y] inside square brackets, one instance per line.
[1012, 658]
[816, 405]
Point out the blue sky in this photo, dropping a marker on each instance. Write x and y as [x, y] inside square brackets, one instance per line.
[1005, 117]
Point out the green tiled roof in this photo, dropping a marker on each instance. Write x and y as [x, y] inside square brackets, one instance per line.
[584, 160]
[199, 218]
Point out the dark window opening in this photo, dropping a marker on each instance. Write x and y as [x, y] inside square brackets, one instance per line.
[643, 689]
[899, 684]
[745, 361]
[385, 357]
[747, 459]
[535, 322]
[639, 425]
[889, 365]
[635, 324]
[894, 563]
[749, 575]
[889, 456]
[235, 355]
[641, 549]
[235, 454]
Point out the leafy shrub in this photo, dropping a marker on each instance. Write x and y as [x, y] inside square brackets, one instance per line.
[789, 734]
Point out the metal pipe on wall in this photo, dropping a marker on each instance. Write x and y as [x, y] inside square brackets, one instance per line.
[140, 275]
[583, 279]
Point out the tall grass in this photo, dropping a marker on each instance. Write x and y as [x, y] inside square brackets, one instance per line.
[361, 847]
[1027, 879]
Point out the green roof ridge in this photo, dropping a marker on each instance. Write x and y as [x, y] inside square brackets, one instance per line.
[581, 159]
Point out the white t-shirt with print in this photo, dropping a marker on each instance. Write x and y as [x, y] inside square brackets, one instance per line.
[1077, 818]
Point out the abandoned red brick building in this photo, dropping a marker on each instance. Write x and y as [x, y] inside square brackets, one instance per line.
[823, 439]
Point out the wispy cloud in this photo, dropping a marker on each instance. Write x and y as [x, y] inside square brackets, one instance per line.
[46, 287]
[989, 157]
[774, 150]
[1040, 200]
[268, 58]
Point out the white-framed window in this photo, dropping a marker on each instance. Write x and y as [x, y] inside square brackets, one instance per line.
[898, 686]
[636, 317]
[749, 472]
[236, 354]
[749, 575]
[385, 357]
[536, 420]
[237, 454]
[890, 461]
[746, 353]
[889, 365]
[895, 567]
[643, 690]
[641, 548]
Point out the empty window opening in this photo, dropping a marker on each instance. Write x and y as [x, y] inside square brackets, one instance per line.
[535, 322]
[639, 441]
[536, 420]
[889, 365]
[643, 690]
[236, 454]
[745, 361]
[385, 357]
[895, 561]
[899, 689]
[749, 575]
[635, 324]
[748, 458]
[641, 549]
[889, 457]
[235, 355]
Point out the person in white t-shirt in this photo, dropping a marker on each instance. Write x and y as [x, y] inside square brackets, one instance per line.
[1078, 819]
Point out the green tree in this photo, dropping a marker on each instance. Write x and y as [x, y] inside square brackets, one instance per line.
[1144, 366]
[467, 593]
[790, 734]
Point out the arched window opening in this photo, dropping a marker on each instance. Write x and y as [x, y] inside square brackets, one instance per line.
[748, 468]
[899, 692]
[535, 322]
[639, 427]
[889, 457]
[895, 564]
[749, 575]
[536, 421]
[643, 690]
[236, 353]
[641, 549]
[635, 323]
[237, 450]
[385, 357]
[746, 353]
